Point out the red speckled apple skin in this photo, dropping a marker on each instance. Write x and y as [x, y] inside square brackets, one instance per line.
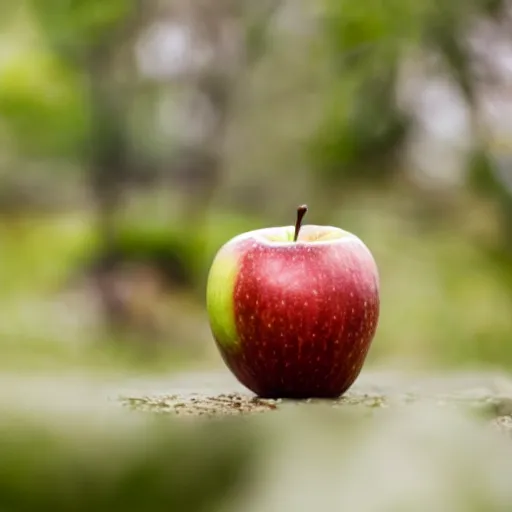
[305, 314]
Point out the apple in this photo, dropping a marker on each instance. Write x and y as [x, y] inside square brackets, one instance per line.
[293, 310]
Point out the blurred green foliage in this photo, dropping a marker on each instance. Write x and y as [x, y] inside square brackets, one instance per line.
[80, 24]
[66, 464]
[41, 102]
[75, 108]
[363, 123]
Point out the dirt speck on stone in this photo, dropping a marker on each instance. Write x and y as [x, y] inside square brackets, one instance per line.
[503, 424]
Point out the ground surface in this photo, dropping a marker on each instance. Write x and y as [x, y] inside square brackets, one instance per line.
[290, 455]
[219, 394]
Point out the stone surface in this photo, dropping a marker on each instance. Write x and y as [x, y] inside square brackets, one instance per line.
[218, 394]
[393, 442]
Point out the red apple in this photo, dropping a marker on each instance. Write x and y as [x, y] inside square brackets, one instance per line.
[294, 311]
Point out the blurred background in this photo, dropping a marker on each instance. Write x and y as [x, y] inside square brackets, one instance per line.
[136, 137]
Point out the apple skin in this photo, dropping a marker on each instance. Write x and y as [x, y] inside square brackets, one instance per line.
[294, 319]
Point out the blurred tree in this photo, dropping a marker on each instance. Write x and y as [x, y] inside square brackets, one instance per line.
[89, 39]
[142, 93]
[76, 96]
[364, 124]
[368, 42]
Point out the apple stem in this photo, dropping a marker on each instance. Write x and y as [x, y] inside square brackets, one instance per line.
[301, 211]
